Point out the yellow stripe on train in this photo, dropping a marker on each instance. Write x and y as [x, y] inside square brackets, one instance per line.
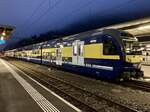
[96, 51]
[134, 58]
[67, 52]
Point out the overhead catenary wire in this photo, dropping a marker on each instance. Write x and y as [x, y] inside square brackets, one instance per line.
[44, 14]
[33, 13]
[86, 5]
[72, 12]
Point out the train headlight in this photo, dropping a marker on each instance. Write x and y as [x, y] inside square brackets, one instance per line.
[137, 65]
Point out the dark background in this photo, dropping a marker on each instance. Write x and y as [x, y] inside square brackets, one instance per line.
[39, 20]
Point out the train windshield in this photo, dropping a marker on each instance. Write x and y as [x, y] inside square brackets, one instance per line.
[131, 44]
[132, 47]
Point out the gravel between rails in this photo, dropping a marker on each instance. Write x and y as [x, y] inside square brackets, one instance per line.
[91, 100]
[137, 84]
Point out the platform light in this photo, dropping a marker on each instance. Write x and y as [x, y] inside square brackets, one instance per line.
[2, 38]
[3, 33]
[144, 27]
[148, 45]
[148, 49]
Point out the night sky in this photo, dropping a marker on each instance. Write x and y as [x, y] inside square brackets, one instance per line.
[32, 17]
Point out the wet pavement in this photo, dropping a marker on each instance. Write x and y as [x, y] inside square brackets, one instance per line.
[20, 93]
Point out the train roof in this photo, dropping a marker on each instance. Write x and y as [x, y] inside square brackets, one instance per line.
[87, 36]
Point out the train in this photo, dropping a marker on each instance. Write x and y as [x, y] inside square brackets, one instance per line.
[109, 54]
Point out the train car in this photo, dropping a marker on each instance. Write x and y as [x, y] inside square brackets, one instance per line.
[9, 53]
[108, 54]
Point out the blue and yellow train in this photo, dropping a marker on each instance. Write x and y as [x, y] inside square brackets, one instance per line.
[108, 54]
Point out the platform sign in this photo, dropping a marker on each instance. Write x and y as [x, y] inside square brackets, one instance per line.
[5, 33]
[2, 42]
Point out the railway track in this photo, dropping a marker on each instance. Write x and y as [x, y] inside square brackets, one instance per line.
[136, 84]
[80, 97]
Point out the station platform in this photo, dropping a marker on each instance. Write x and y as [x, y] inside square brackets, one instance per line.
[21, 93]
[146, 69]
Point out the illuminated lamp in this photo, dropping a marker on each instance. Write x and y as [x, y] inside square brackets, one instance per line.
[144, 27]
[3, 33]
[148, 45]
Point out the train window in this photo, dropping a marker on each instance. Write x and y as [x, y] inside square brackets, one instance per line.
[57, 52]
[147, 54]
[124, 34]
[80, 50]
[109, 48]
[75, 50]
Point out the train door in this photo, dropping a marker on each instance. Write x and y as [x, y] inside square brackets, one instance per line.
[59, 56]
[78, 50]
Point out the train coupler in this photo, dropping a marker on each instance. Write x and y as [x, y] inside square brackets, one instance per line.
[139, 74]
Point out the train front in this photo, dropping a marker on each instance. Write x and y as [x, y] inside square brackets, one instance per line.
[132, 57]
